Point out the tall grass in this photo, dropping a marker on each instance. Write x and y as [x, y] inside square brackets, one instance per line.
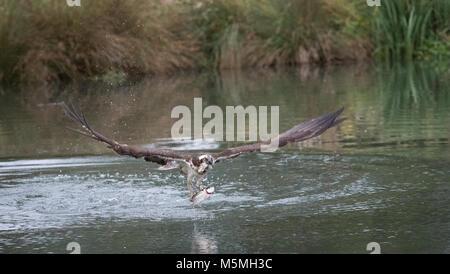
[12, 29]
[49, 42]
[55, 43]
[261, 33]
[440, 16]
[44, 42]
[403, 27]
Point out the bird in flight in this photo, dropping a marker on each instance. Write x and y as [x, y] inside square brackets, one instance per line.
[195, 165]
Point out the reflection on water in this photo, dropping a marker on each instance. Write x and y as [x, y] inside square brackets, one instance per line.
[381, 176]
[184, 144]
[202, 243]
[398, 107]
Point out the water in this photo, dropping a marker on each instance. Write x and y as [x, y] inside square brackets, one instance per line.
[382, 176]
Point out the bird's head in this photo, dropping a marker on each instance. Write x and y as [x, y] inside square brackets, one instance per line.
[206, 163]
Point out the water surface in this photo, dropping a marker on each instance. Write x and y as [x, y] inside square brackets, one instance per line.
[382, 176]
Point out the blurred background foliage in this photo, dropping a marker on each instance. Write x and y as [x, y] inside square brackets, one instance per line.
[47, 42]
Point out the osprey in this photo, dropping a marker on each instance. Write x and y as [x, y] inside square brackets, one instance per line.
[195, 166]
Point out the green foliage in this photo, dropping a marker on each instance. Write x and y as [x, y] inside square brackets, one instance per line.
[112, 78]
[12, 29]
[435, 49]
[260, 33]
[406, 29]
[45, 42]
[48, 42]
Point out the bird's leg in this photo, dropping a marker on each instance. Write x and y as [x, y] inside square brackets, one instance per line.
[198, 183]
[189, 186]
[189, 176]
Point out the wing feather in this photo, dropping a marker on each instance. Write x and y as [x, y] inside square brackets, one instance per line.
[164, 157]
[298, 133]
[159, 156]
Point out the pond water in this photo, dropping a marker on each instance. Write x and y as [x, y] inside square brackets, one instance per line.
[382, 176]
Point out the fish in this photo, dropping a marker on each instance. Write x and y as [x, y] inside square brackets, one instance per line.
[203, 195]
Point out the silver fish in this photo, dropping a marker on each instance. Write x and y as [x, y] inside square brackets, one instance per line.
[202, 195]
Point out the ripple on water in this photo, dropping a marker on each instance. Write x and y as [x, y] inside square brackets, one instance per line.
[83, 193]
[101, 188]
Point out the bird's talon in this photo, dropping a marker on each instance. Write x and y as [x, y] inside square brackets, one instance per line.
[191, 198]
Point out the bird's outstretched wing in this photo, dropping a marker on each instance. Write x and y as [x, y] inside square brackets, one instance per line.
[159, 156]
[298, 133]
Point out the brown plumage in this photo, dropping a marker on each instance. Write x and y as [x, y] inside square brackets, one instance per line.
[194, 166]
[298, 133]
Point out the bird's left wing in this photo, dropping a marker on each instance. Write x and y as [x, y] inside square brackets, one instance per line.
[159, 156]
[298, 133]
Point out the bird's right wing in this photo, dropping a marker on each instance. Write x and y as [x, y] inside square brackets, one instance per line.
[160, 156]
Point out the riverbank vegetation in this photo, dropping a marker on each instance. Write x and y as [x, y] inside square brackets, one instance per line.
[48, 42]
